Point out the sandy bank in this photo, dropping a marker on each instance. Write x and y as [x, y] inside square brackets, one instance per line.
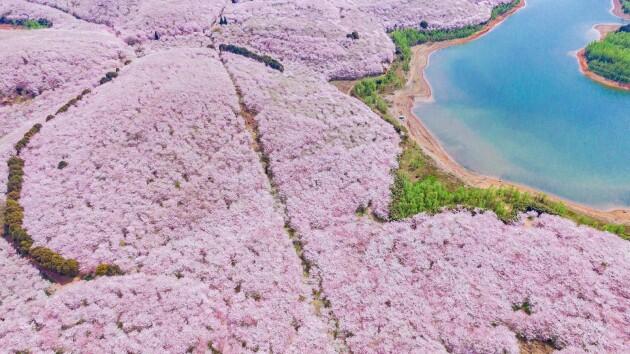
[418, 89]
[603, 30]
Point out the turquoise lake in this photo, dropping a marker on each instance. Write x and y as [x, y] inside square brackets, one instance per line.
[514, 105]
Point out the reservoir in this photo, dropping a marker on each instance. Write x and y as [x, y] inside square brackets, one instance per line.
[514, 105]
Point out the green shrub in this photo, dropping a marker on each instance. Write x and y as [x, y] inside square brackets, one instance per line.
[63, 108]
[13, 213]
[15, 162]
[404, 39]
[62, 164]
[13, 195]
[369, 90]
[16, 175]
[108, 270]
[109, 76]
[13, 219]
[22, 143]
[72, 102]
[265, 59]
[525, 306]
[51, 260]
[503, 8]
[430, 195]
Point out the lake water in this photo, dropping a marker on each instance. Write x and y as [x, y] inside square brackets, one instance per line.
[514, 105]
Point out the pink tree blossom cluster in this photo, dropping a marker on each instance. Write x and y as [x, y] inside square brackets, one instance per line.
[329, 154]
[37, 61]
[129, 314]
[142, 20]
[159, 177]
[459, 283]
[21, 283]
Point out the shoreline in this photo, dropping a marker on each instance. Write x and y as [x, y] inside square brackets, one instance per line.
[418, 89]
[603, 30]
[618, 11]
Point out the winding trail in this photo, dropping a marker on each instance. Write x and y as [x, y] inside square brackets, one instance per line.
[418, 89]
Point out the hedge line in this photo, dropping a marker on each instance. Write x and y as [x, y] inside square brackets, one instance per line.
[27, 23]
[108, 270]
[69, 104]
[14, 212]
[27, 138]
[265, 59]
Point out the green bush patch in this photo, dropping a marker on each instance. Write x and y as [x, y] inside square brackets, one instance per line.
[610, 57]
[265, 59]
[27, 23]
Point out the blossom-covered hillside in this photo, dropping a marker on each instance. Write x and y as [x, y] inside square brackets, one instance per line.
[329, 155]
[318, 33]
[228, 199]
[459, 283]
[141, 20]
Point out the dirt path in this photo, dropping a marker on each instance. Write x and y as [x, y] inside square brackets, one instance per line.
[418, 89]
[344, 86]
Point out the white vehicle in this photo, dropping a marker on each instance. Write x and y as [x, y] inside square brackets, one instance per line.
[402, 118]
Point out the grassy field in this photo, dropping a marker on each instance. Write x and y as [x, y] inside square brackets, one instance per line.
[420, 186]
[610, 57]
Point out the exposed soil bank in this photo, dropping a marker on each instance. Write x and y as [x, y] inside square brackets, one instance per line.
[603, 30]
[344, 86]
[535, 347]
[418, 89]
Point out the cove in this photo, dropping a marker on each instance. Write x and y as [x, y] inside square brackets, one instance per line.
[513, 104]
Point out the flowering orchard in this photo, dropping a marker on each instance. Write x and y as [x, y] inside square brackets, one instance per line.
[215, 203]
